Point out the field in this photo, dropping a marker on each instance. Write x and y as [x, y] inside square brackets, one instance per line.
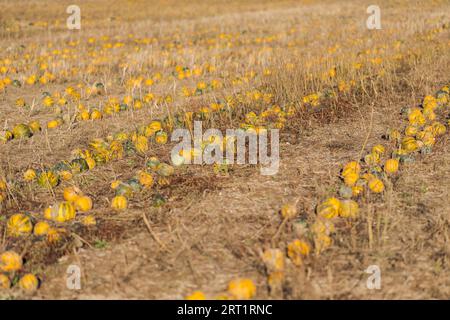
[88, 186]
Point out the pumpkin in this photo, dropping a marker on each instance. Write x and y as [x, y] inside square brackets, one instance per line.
[10, 261]
[96, 115]
[438, 128]
[329, 208]
[289, 211]
[19, 225]
[119, 203]
[357, 190]
[351, 178]
[348, 209]
[141, 144]
[79, 165]
[415, 117]
[154, 126]
[124, 189]
[196, 295]
[22, 131]
[66, 175]
[372, 159]
[6, 136]
[161, 137]
[72, 193]
[352, 166]
[296, 250]
[145, 179]
[35, 126]
[5, 283]
[411, 130]
[41, 228]
[90, 162]
[48, 179]
[165, 170]
[29, 175]
[391, 166]
[29, 282]
[409, 144]
[83, 203]
[53, 124]
[241, 289]
[376, 185]
[153, 163]
[60, 212]
[378, 149]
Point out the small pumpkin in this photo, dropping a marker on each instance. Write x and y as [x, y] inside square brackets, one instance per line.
[19, 225]
[5, 283]
[145, 179]
[289, 211]
[29, 283]
[348, 209]
[165, 170]
[391, 166]
[329, 208]
[41, 228]
[161, 137]
[10, 261]
[72, 193]
[297, 250]
[83, 203]
[141, 144]
[48, 179]
[119, 203]
[60, 212]
[241, 289]
[35, 126]
[376, 185]
[29, 175]
[22, 131]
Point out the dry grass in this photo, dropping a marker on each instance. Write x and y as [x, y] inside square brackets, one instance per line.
[211, 228]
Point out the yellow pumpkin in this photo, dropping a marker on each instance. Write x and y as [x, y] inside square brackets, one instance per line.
[35, 126]
[61, 212]
[154, 126]
[372, 159]
[438, 129]
[329, 208]
[348, 209]
[83, 203]
[391, 166]
[289, 211]
[196, 295]
[5, 283]
[161, 137]
[29, 175]
[141, 144]
[29, 282]
[72, 193]
[96, 115]
[53, 124]
[41, 228]
[145, 179]
[357, 190]
[351, 167]
[119, 203]
[10, 261]
[378, 149]
[22, 131]
[409, 144]
[66, 175]
[241, 289]
[411, 130]
[19, 225]
[296, 250]
[48, 179]
[351, 178]
[376, 185]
